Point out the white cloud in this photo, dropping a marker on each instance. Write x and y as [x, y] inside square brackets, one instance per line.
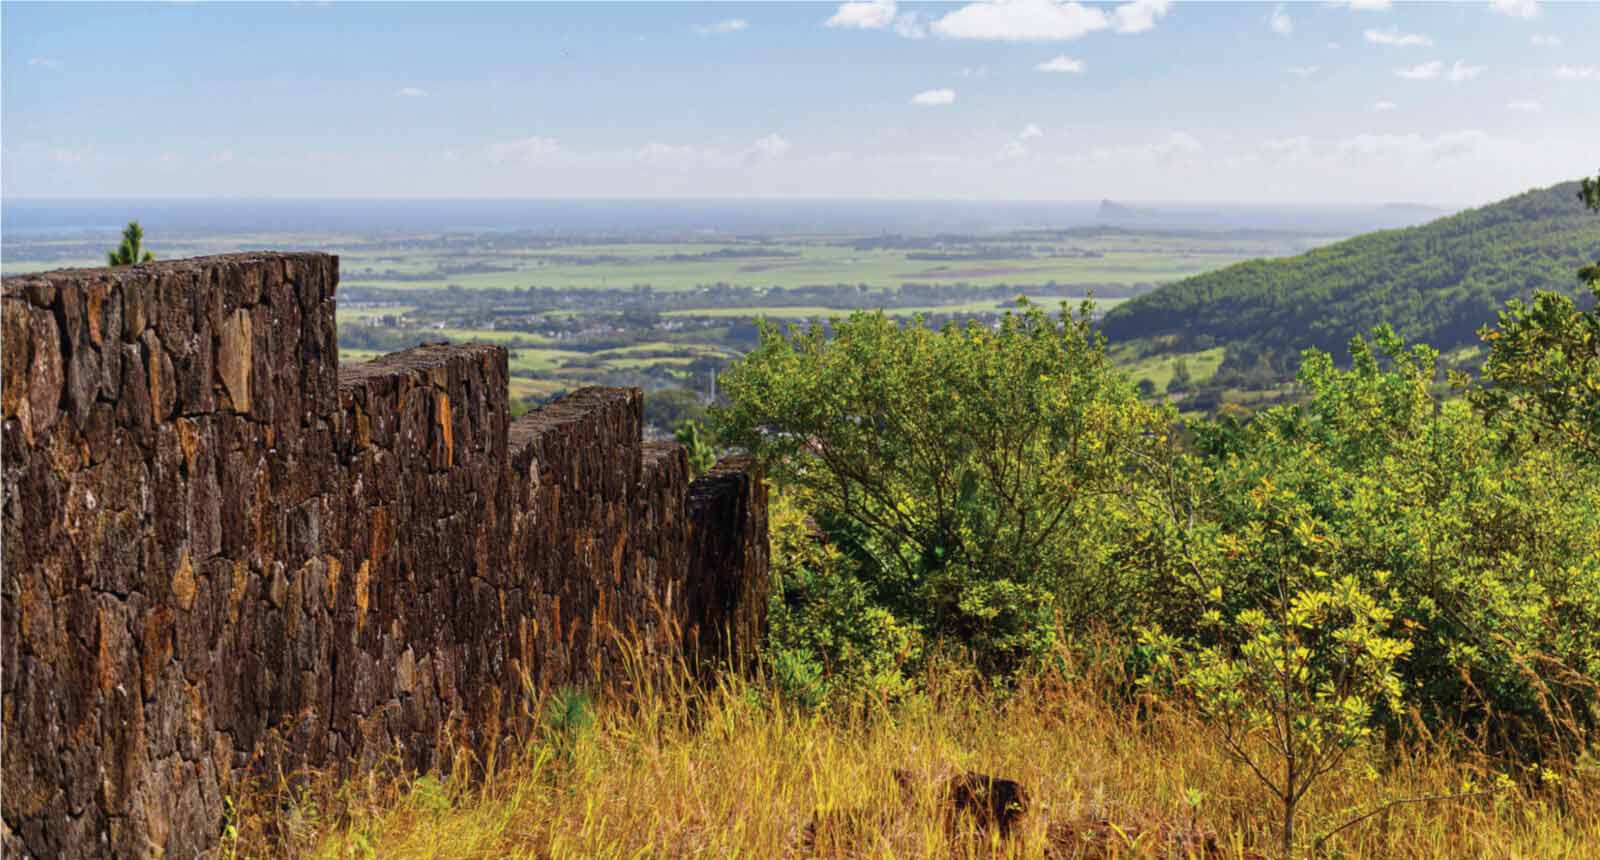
[44, 62]
[1516, 8]
[1577, 73]
[1333, 46]
[1140, 15]
[1524, 106]
[1421, 71]
[1457, 72]
[863, 15]
[934, 97]
[726, 25]
[1287, 148]
[1021, 21]
[1385, 106]
[1062, 63]
[1414, 146]
[1542, 40]
[1304, 71]
[411, 92]
[528, 150]
[974, 72]
[770, 146]
[222, 157]
[1364, 5]
[1031, 131]
[1393, 36]
[877, 15]
[1280, 22]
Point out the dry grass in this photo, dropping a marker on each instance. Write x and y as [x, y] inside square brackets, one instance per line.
[734, 772]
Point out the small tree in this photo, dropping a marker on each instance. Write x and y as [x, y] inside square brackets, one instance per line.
[1589, 193]
[131, 250]
[702, 456]
[1180, 381]
[1290, 687]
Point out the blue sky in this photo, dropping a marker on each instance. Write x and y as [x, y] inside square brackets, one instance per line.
[1018, 99]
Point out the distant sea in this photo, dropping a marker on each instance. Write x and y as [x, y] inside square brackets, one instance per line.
[27, 218]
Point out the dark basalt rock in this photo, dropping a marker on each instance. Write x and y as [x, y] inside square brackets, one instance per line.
[225, 554]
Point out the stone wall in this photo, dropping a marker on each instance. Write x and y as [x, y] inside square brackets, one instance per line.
[225, 555]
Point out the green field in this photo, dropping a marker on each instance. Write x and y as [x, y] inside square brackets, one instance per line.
[1158, 368]
[818, 312]
[371, 312]
[800, 262]
[398, 291]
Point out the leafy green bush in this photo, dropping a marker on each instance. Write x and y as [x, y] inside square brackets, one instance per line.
[971, 473]
[989, 488]
[1486, 555]
[829, 640]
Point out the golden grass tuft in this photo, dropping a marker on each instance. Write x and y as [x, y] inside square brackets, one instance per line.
[732, 771]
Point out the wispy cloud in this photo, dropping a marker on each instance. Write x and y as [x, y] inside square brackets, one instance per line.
[1421, 72]
[1524, 106]
[1460, 71]
[1393, 36]
[1061, 64]
[411, 92]
[1414, 146]
[1516, 8]
[1287, 148]
[1030, 131]
[931, 98]
[1170, 148]
[1577, 73]
[528, 150]
[1365, 5]
[726, 25]
[1280, 22]
[1544, 40]
[1384, 106]
[768, 147]
[908, 26]
[1304, 71]
[44, 62]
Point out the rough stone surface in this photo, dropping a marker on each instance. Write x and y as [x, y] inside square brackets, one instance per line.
[224, 554]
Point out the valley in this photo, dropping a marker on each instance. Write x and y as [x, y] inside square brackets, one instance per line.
[669, 311]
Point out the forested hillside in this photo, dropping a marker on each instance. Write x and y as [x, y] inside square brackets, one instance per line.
[1437, 283]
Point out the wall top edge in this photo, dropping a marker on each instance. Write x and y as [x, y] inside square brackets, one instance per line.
[13, 284]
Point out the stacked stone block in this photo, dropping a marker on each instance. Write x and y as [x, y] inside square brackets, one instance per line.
[225, 555]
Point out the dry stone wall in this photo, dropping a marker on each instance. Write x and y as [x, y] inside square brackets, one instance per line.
[225, 555]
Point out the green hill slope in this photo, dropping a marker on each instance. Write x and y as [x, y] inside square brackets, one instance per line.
[1437, 282]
